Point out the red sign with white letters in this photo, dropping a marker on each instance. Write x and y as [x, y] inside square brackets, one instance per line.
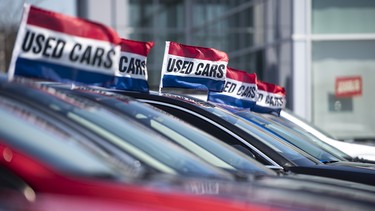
[348, 86]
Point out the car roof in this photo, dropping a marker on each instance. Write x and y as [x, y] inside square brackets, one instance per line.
[192, 134]
[191, 104]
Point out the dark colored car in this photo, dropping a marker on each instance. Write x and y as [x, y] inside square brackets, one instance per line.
[39, 159]
[266, 192]
[359, 152]
[301, 139]
[265, 147]
[185, 135]
[275, 125]
[112, 130]
[282, 121]
[198, 142]
[293, 193]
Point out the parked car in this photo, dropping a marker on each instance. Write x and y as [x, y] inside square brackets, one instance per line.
[120, 132]
[38, 159]
[268, 193]
[265, 147]
[314, 147]
[359, 152]
[184, 134]
[198, 142]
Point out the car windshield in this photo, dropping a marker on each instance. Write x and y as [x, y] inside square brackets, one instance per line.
[279, 146]
[309, 137]
[134, 138]
[286, 112]
[48, 145]
[198, 142]
[290, 136]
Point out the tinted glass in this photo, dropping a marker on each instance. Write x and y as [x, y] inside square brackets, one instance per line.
[273, 142]
[49, 145]
[134, 138]
[200, 143]
[290, 136]
[309, 137]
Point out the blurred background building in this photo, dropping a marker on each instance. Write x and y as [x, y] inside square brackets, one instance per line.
[321, 51]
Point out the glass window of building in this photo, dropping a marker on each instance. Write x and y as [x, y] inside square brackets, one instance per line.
[247, 30]
[343, 65]
[226, 25]
[343, 16]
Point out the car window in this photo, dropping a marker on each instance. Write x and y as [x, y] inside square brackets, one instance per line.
[209, 127]
[204, 145]
[186, 135]
[273, 142]
[290, 136]
[124, 132]
[227, 136]
[48, 144]
[309, 137]
[186, 143]
[286, 112]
